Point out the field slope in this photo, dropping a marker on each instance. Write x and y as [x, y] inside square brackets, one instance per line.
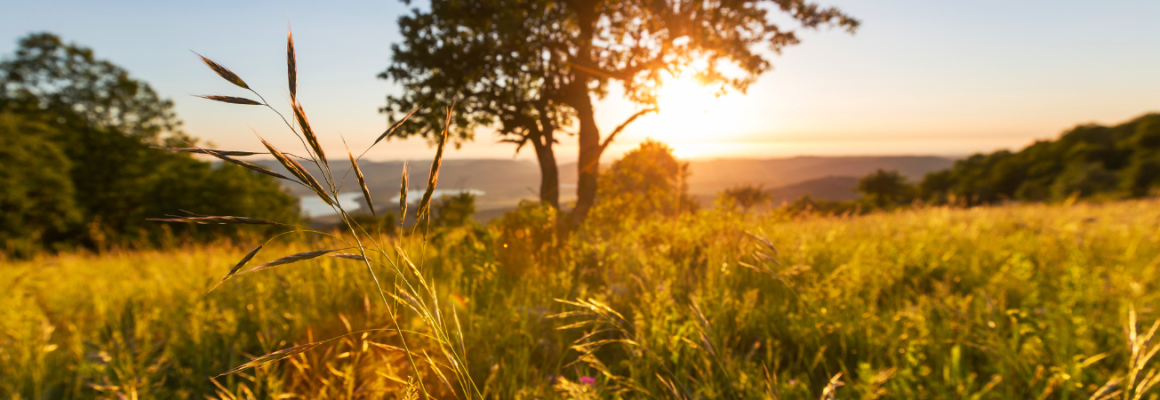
[1021, 301]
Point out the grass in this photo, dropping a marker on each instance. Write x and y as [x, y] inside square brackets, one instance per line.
[1022, 301]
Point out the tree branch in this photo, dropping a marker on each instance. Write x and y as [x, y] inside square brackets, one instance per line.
[608, 140]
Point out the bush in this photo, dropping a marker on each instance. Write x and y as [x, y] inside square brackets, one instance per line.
[647, 181]
[526, 237]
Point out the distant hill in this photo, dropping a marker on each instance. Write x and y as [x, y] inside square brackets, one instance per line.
[505, 182]
[827, 188]
[713, 176]
[1122, 160]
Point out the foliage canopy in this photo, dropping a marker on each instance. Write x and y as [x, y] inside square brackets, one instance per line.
[530, 68]
[82, 128]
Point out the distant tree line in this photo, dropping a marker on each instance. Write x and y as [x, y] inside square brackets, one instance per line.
[79, 168]
[1088, 161]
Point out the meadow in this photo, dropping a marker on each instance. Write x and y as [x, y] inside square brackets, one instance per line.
[1016, 301]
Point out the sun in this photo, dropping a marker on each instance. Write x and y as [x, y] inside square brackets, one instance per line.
[685, 111]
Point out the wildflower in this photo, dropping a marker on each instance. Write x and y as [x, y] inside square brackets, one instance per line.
[587, 380]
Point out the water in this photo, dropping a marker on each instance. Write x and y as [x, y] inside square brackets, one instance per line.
[416, 195]
[313, 206]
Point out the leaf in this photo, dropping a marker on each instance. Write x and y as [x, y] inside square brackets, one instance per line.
[232, 100]
[224, 72]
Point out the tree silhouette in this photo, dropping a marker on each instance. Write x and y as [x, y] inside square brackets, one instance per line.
[886, 188]
[745, 197]
[532, 67]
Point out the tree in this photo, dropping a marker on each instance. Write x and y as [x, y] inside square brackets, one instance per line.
[36, 202]
[457, 210]
[535, 66]
[104, 123]
[745, 197]
[885, 188]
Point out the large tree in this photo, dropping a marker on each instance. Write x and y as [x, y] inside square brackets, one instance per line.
[532, 67]
[89, 120]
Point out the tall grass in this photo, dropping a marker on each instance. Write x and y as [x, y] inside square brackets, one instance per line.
[1025, 301]
[410, 289]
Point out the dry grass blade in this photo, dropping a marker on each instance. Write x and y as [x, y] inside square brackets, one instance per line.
[291, 66]
[295, 168]
[362, 183]
[414, 269]
[394, 126]
[433, 178]
[349, 256]
[291, 259]
[311, 138]
[236, 268]
[232, 100]
[1108, 391]
[221, 220]
[288, 352]
[224, 72]
[210, 152]
[832, 387]
[403, 195]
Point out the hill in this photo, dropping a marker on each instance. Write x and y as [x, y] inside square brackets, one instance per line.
[505, 182]
[1089, 160]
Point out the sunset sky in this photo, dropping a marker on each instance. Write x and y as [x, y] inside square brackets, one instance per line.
[934, 77]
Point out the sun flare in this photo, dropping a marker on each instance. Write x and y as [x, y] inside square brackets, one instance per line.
[685, 108]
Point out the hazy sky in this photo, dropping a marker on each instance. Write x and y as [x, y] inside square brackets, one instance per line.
[919, 77]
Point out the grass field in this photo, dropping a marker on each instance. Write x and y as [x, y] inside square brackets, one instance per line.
[1014, 302]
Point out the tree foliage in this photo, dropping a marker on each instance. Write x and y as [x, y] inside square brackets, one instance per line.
[885, 189]
[532, 67]
[456, 210]
[85, 128]
[37, 197]
[745, 197]
[1088, 160]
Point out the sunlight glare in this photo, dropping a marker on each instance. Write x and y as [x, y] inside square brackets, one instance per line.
[685, 107]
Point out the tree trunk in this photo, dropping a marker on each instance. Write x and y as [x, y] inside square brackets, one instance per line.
[588, 167]
[549, 172]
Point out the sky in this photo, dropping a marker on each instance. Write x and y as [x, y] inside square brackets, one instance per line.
[919, 77]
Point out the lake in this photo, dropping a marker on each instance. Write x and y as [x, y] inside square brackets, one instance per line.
[312, 206]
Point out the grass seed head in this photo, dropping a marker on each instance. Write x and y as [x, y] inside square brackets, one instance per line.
[291, 66]
[394, 126]
[433, 178]
[291, 259]
[232, 100]
[224, 72]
